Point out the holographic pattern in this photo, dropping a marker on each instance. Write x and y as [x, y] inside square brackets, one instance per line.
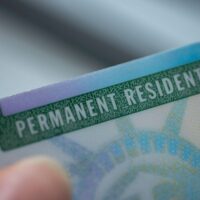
[160, 165]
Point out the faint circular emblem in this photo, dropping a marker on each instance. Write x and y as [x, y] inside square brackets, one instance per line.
[139, 165]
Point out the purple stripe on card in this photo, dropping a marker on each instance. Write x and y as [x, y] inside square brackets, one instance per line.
[100, 79]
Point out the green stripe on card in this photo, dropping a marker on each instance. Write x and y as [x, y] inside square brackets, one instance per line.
[99, 106]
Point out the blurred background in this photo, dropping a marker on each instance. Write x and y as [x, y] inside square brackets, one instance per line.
[47, 41]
